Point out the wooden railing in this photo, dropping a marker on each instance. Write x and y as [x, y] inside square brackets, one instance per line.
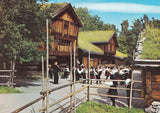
[9, 76]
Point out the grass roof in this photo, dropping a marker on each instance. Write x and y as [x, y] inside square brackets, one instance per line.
[151, 46]
[85, 39]
[95, 36]
[83, 44]
[119, 54]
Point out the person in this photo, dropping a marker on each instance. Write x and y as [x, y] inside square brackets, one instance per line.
[107, 73]
[113, 91]
[83, 72]
[92, 73]
[98, 75]
[55, 72]
[50, 72]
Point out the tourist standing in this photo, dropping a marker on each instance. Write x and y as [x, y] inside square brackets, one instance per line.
[55, 72]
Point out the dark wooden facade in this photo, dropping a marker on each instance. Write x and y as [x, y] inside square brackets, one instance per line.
[65, 26]
[109, 47]
[95, 58]
[151, 79]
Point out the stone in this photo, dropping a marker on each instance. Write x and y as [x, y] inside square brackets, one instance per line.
[150, 109]
[156, 103]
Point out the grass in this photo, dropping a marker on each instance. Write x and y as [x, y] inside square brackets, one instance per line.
[93, 36]
[7, 90]
[119, 54]
[85, 38]
[93, 107]
[83, 44]
[151, 45]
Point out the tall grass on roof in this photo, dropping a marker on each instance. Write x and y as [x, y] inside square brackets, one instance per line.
[83, 44]
[119, 54]
[151, 46]
[93, 36]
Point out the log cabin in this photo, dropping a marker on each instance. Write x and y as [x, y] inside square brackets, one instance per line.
[64, 29]
[149, 64]
[103, 46]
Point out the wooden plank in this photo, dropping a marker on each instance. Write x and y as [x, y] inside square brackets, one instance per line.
[104, 87]
[148, 82]
[156, 95]
[115, 96]
[6, 76]
[156, 78]
[7, 71]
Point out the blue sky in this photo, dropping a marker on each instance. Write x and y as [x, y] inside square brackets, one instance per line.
[115, 11]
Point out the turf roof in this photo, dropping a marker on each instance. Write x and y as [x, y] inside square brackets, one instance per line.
[96, 36]
[151, 46]
[119, 54]
[84, 45]
[85, 39]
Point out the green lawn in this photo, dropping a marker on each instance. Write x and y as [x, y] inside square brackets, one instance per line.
[93, 107]
[6, 90]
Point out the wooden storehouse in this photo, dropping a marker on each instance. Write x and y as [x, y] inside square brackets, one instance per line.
[151, 79]
[104, 45]
[149, 64]
[65, 26]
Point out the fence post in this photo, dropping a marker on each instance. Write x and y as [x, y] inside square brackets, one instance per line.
[88, 89]
[47, 69]
[74, 88]
[130, 98]
[71, 77]
[43, 100]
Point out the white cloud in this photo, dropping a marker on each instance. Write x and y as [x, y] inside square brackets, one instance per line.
[120, 7]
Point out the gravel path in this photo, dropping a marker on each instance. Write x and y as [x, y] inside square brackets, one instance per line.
[31, 88]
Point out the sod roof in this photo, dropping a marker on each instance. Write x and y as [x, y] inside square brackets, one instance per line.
[85, 39]
[96, 36]
[84, 45]
[119, 54]
[151, 46]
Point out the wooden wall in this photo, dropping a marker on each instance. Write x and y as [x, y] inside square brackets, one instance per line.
[151, 78]
[108, 48]
[63, 31]
[94, 61]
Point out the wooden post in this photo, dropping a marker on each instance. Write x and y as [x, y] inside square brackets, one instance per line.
[43, 100]
[74, 88]
[130, 98]
[88, 89]
[47, 69]
[71, 77]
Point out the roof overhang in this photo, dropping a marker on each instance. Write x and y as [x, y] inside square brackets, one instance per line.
[67, 7]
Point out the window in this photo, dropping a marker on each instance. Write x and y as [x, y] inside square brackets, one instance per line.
[66, 25]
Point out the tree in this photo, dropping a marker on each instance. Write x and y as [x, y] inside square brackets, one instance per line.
[21, 30]
[124, 27]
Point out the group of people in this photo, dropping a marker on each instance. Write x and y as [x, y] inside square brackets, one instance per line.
[112, 73]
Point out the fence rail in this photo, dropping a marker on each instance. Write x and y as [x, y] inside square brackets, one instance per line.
[9, 74]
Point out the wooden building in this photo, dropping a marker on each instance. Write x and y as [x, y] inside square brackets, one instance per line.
[151, 79]
[149, 64]
[103, 46]
[64, 29]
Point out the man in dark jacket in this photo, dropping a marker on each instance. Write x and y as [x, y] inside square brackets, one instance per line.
[55, 72]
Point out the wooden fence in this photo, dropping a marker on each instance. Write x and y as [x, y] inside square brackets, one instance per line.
[7, 77]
